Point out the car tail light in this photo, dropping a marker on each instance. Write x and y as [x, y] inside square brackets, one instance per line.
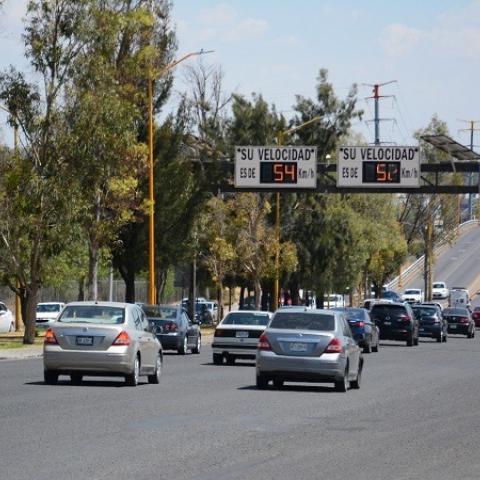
[263, 343]
[219, 333]
[359, 324]
[464, 319]
[122, 339]
[335, 346]
[50, 338]
[405, 318]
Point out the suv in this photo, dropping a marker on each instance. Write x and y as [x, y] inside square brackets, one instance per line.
[396, 321]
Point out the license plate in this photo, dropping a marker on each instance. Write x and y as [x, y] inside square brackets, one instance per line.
[387, 323]
[421, 329]
[298, 347]
[453, 326]
[84, 340]
[241, 334]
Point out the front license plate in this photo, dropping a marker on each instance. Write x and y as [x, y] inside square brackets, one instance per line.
[241, 334]
[84, 340]
[298, 347]
[387, 323]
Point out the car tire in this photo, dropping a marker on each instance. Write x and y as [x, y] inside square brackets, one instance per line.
[184, 347]
[376, 346]
[230, 360]
[217, 358]
[356, 383]
[262, 381]
[410, 341]
[76, 378]
[278, 382]
[198, 346]
[445, 338]
[132, 378]
[342, 383]
[50, 377]
[415, 340]
[155, 377]
[440, 339]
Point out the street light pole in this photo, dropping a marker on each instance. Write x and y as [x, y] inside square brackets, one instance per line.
[151, 192]
[276, 282]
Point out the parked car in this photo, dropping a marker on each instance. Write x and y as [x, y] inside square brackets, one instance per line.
[459, 297]
[396, 321]
[431, 322]
[237, 335]
[413, 295]
[7, 322]
[301, 345]
[440, 290]
[476, 316]
[365, 332]
[47, 313]
[459, 320]
[101, 338]
[173, 328]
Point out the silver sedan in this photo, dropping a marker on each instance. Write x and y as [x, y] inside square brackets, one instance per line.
[102, 338]
[302, 345]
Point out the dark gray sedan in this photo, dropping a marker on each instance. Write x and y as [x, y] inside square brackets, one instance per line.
[174, 328]
[301, 345]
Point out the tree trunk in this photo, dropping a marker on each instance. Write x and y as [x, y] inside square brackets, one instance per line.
[92, 283]
[220, 300]
[129, 280]
[81, 289]
[258, 291]
[29, 312]
[241, 300]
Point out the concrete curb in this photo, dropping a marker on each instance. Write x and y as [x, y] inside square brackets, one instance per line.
[21, 353]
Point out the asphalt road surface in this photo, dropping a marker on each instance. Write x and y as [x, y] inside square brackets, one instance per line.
[458, 266]
[416, 416]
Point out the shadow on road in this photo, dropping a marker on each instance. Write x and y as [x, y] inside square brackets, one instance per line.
[293, 388]
[236, 364]
[87, 383]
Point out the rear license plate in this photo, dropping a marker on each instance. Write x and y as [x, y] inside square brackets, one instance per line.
[421, 329]
[453, 326]
[84, 340]
[387, 323]
[298, 347]
[241, 334]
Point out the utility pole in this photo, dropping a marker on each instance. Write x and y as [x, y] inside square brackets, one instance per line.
[472, 130]
[376, 97]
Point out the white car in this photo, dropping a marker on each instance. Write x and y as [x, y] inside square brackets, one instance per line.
[237, 335]
[334, 300]
[440, 290]
[413, 295]
[47, 313]
[7, 322]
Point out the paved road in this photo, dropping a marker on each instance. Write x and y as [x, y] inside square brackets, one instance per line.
[459, 266]
[415, 417]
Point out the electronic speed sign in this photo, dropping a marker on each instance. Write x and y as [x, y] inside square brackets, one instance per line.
[378, 166]
[275, 167]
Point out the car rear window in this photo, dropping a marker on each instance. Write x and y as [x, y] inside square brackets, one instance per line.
[93, 314]
[424, 311]
[50, 308]
[393, 311]
[456, 311]
[303, 321]
[353, 313]
[246, 318]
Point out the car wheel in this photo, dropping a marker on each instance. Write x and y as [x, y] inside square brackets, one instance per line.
[155, 378]
[368, 347]
[440, 339]
[198, 346]
[230, 360]
[473, 333]
[415, 340]
[50, 377]
[217, 358]
[410, 341]
[132, 378]
[76, 378]
[262, 381]
[445, 338]
[342, 383]
[278, 382]
[356, 383]
[183, 349]
[376, 346]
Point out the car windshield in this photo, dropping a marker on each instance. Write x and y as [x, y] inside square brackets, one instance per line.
[246, 318]
[392, 295]
[456, 311]
[412, 292]
[424, 311]
[97, 314]
[303, 321]
[438, 285]
[48, 308]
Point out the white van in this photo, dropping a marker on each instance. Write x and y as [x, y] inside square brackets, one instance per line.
[334, 300]
[459, 297]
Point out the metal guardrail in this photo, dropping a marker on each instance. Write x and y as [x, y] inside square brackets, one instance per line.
[417, 266]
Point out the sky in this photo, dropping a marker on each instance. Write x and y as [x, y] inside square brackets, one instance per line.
[277, 47]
